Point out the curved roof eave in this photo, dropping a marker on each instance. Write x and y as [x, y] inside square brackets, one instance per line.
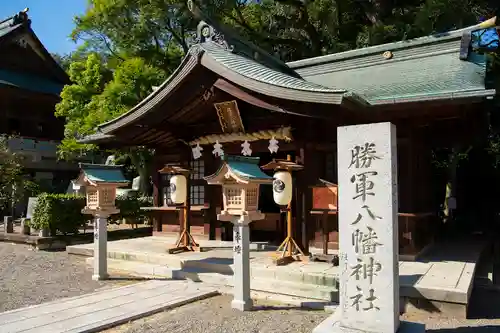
[201, 55]
[16, 26]
[259, 85]
[186, 66]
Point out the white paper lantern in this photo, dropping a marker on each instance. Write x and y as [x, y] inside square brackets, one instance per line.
[178, 189]
[282, 188]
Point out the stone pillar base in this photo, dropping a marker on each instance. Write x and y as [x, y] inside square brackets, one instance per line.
[332, 325]
[100, 277]
[8, 224]
[242, 305]
[100, 248]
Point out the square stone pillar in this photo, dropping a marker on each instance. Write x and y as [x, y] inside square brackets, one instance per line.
[368, 230]
[241, 239]
[8, 224]
[100, 248]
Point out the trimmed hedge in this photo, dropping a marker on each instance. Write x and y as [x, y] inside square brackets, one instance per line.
[61, 213]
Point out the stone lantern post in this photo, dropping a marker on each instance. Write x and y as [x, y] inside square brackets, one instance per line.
[101, 182]
[240, 178]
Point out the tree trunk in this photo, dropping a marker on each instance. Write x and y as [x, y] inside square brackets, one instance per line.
[451, 185]
[142, 169]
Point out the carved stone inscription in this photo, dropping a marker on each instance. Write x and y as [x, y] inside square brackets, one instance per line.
[237, 242]
[368, 227]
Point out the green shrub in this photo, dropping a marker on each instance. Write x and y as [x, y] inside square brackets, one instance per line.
[130, 208]
[60, 213]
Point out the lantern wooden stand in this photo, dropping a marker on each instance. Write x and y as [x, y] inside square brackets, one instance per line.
[289, 249]
[186, 241]
[325, 203]
[101, 182]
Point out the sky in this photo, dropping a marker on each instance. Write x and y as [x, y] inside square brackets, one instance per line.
[52, 20]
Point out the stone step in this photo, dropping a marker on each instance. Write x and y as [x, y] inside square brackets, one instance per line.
[284, 274]
[132, 256]
[214, 265]
[283, 287]
[197, 274]
[296, 289]
[220, 265]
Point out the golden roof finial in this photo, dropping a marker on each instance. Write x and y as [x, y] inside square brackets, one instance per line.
[488, 24]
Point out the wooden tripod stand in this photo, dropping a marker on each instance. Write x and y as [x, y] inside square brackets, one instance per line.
[186, 241]
[289, 248]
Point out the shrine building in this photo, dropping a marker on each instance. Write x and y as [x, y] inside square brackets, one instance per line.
[228, 92]
[31, 82]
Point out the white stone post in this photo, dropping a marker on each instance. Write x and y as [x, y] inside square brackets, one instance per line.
[100, 248]
[241, 239]
[368, 233]
[8, 224]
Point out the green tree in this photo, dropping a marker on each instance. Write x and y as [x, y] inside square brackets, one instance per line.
[160, 31]
[13, 184]
[63, 60]
[99, 94]
[156, 30]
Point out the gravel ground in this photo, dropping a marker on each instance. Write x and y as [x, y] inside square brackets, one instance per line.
[484, 308]
[214, 315]
[29, 277]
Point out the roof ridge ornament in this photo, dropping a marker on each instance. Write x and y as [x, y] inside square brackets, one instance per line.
[470, 37]
[205, 31]
[19, 18]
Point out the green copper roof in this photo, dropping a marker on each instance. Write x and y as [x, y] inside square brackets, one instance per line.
[12, 23]
[254, 70]
[30, 82]
[418, 69]
[6, 29]
[103, 173]
[246, 168]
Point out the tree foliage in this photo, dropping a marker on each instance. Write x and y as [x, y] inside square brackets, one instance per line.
[295, 29]
[13, 184]
[99, 94]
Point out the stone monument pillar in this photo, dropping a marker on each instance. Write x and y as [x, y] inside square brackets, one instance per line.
[368, 230]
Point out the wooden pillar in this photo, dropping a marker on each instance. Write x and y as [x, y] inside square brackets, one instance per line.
[411, 181]
[312, 161]
[425, 166]
[185, 159]
[416, 194]
[304, 223]
[212, 226]
[157, 200]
